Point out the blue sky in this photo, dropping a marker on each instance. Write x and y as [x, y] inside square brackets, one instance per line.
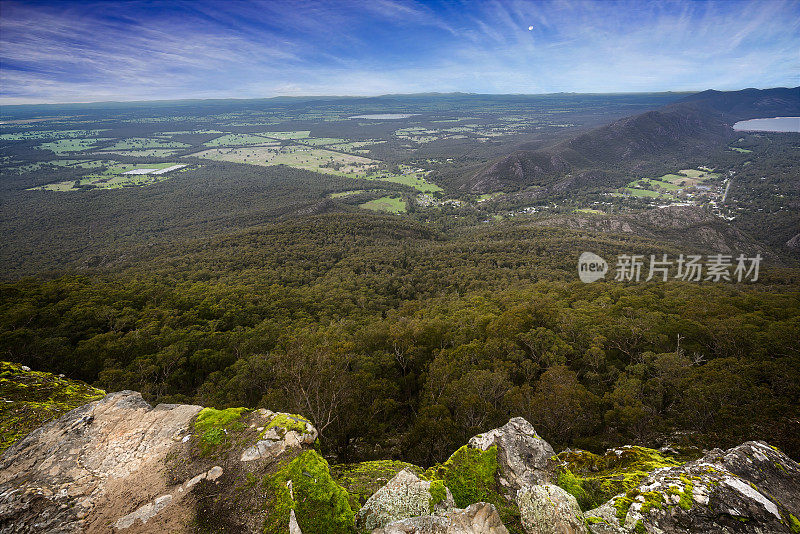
[69, 51]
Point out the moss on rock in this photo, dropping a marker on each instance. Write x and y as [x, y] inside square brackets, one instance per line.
[214, 426]
[438, 493]
[289, 422]
[472, 475]
[29, 399]
[320, 504]
[594, 479]
[363, 479]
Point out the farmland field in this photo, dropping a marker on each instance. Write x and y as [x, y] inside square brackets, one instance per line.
[301, 157]
[388, 204]
[63, 146]
[113, 177]
[141, 144]
[239, 140]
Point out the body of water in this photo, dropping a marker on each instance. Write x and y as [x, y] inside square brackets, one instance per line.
[384, 116]
[775, 124]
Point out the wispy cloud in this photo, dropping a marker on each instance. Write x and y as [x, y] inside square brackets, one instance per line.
[78, 51]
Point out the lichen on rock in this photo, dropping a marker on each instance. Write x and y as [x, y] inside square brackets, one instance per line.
[403, 497]
[477, 518]
[29, 399]
[548, 509]
[749, 488]
[594, 479]
[362, 480]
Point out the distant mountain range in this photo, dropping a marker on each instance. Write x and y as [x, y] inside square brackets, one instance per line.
[687, 128]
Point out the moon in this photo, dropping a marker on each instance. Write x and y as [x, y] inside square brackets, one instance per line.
[530, 28]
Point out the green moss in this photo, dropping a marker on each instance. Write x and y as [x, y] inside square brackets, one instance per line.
[794, 524]
[652, 499]
[593, 479]
[289, 422]
[438, 493]
[215, 425]
[320, 504]
[363, 479]
[622, 504]
[574, 486]
[592, 520]
[687, 499]
[472, 476]
[29, 399]
[638, 528]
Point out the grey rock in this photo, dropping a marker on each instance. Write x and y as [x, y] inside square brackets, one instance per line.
[58, 476]
[478, 518]
[603, 520]
[548, 509]
[403, 497]
[524, 457]
[749, 488]
[276, 440]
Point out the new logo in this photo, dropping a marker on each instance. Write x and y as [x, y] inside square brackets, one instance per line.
[591, 267]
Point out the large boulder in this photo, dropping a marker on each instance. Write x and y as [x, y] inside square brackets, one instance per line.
[478, 518]
[749, 488]
[525, 458]
[548, 509]
[403, 497]
[96, 464]
[119, 464]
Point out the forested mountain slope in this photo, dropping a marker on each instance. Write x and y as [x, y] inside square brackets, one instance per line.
[680, 131]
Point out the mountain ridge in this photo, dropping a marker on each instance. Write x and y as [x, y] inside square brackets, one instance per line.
[690, 127]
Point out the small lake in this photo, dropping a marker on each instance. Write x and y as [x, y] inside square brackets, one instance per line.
[776, 124]
[384, 116]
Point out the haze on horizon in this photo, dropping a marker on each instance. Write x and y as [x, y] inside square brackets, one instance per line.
[70, 51]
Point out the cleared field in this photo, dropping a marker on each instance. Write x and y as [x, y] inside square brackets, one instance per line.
[655, 184]
[302, 157]
[62, 134]
[63, 146]
[488, 196]
[689, 177]
[88, 164]
[287, 135]
[321, 141]
[355, 146]
[239, 140]
[387, 204]
[141, 143]
[644, 193]
[183, 132]
[590, 211]
[344, 194]
[116, 176]
[151, 153]
[414, 179]
[740, 150]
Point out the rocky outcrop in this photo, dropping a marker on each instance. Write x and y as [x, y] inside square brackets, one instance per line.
[121, 465]
[524, 457]
[285, 431]
[90, 466]
[404, 496]
[478, 518]
[548, 509]
[29, 399]
[749, 488]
